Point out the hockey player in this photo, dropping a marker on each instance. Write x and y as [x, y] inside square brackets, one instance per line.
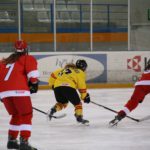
[19, 78]
[142, 88]
[65, 82]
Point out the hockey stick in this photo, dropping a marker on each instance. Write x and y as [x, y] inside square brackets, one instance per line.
[56, 117]
[137, 120]
[144, 118]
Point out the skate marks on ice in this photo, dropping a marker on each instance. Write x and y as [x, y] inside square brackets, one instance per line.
[67, 134]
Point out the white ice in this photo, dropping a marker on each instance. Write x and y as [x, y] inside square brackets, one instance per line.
[66, 134]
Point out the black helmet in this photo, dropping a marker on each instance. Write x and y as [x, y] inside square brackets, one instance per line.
[81, 64]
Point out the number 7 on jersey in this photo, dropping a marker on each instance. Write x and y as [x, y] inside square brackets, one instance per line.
[10, 66]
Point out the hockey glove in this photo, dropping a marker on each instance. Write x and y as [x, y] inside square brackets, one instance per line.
[33, 87]
[117, 118]
[87, 98]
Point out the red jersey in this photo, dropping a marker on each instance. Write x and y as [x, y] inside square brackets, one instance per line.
[145, 78]
[14, 77]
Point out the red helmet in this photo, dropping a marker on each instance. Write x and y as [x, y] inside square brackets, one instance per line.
[20, 46]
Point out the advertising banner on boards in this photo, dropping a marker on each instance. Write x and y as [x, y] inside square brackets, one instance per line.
[103, 67]
[96, 71]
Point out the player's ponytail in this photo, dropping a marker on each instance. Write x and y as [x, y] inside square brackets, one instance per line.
[12, 58]
[70, 65]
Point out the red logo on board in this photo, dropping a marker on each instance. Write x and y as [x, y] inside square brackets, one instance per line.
[134, 63]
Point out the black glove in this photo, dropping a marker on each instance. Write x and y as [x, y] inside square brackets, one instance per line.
[33, 87]
[87, 98]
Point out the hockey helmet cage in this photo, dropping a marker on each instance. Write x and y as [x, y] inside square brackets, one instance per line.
[20, 46]
[81, 64]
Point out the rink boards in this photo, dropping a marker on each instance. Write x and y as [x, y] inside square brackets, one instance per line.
[105, 69]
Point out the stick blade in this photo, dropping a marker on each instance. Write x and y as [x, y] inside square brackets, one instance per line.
[144, 118]
[60, 116]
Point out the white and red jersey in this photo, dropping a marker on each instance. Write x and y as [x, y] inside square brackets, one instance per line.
[145, 78]
[14, 77]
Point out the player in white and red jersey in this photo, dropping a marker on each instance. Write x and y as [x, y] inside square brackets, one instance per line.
[142, 88]
[19, 78]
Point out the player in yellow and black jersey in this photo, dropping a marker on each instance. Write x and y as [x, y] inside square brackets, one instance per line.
[65, 82]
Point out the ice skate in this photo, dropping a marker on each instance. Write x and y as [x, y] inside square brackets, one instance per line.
[114, 122]
[12, 143]
[24, 145]
[53, 110]
[81, 120]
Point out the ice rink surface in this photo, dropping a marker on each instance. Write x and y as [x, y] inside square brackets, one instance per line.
[66, 134]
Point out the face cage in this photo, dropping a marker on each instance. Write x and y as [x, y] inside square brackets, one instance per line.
[20, 51]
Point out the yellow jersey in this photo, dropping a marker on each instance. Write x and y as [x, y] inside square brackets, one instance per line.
[71, 77]
[53, 77]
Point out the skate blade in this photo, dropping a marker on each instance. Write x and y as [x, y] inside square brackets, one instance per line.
[84, 124]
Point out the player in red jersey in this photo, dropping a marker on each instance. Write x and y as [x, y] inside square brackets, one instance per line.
[142, 88]
[19, 78]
